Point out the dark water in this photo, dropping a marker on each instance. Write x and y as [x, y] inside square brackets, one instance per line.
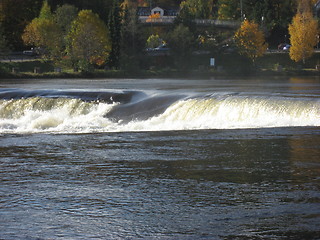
[249, 183]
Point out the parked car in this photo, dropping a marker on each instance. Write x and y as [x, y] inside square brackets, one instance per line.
[34, 51]
[162, 47]
[281, 46]
[286, 47]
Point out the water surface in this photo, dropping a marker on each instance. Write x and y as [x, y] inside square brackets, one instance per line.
[177, 159]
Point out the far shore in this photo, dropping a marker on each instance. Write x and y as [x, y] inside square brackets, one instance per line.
[272, 64]
[158, 74]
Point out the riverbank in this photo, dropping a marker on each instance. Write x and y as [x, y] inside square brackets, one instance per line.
[226, 65]
[158, 74]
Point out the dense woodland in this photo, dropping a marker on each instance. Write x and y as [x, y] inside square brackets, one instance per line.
[126, 38]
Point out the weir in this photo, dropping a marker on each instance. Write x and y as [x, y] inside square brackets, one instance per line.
[108, 97]
[24, 111]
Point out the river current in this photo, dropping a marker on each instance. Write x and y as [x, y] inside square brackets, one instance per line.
[160, 159]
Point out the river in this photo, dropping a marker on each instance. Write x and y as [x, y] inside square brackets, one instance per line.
[160, 158]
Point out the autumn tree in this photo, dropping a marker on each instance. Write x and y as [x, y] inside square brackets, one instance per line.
[153, 41]
[43, 32]
[303, 35]
[250, 40]
[88, 41]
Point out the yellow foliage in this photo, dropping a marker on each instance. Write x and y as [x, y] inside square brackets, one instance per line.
[303, 36]
[250, 40]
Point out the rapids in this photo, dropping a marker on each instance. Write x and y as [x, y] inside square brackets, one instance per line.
[72, 111]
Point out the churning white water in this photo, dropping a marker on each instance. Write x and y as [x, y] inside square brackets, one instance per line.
[75, 115]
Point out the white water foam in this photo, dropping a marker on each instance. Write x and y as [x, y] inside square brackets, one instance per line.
[52, 115]
[236, 112]
[64, 115]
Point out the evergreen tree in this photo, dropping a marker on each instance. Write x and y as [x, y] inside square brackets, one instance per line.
[45, 12]
[114, 25]
[132, 42]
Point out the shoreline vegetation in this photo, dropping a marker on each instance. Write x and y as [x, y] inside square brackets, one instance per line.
[230, 66]
[127, 39]
[164, 73]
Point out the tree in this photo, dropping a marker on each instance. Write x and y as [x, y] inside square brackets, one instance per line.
[64, 16]
[228, 9]
[250, 40]
[303, 36]
[132, 41]
[153, 41]
[88, 41]
[182, 42]
[200, 9]
[100, 7]
[114, 25]
[185, 17]
[43, 32]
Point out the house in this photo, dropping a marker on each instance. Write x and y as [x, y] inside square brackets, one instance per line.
[165, 13]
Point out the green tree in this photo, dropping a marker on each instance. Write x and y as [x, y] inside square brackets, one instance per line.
[114, 25]
[182, 42]
[303, 35]
[100, 7]
[250, 40]
[228, 9]
[88, 41]
[64, 16]
[185, 17]
[200, 9]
